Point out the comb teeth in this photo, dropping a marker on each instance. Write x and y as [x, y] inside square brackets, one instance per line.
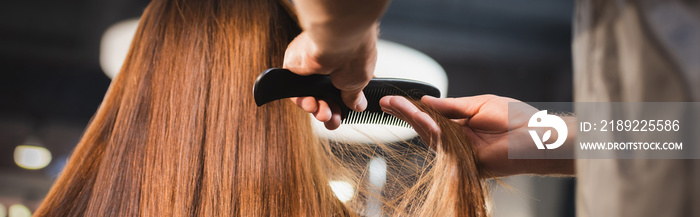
[374, 114]
[373, 117]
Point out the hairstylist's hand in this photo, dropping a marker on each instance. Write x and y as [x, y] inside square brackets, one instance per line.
[485, 121]
[349, 66]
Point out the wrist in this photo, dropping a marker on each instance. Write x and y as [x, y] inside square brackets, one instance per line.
[328, 42]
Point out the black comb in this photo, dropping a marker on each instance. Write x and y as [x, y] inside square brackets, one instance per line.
[276, 83]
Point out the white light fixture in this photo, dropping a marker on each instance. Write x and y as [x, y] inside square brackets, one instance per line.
[393, 60]
[343, 190]
[32, 155]
[19, 210]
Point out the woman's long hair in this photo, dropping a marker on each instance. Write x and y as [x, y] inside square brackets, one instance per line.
[178, 133]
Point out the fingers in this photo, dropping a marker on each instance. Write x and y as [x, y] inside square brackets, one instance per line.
[301, 57]
[350, 70]
[352, 78]
[403, 109]
[323, 113]
[456, 108]
[319, 108]
[354, 100]
[483, 113]
[350, 81]
[308, 104]
[334, 121]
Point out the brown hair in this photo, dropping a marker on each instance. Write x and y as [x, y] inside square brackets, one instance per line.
[178, 133]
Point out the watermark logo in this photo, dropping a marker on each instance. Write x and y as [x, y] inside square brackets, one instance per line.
[542, 119]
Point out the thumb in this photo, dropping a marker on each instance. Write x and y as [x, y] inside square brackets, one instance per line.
[351, 83]
[354, 100]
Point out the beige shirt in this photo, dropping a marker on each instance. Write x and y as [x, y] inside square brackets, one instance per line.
[637, 51]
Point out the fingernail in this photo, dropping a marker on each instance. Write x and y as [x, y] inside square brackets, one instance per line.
[362, 105]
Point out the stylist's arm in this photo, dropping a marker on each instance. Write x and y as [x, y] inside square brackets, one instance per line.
[339, 39]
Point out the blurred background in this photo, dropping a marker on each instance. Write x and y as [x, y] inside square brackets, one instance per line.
[51, 82]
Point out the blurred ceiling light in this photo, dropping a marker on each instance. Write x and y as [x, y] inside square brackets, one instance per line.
[377, 172]
[343, 190]
[115, 45]
[32, 157]
[393, 60]
[19, 210]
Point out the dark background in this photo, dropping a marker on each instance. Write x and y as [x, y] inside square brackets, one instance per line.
[51, 82]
